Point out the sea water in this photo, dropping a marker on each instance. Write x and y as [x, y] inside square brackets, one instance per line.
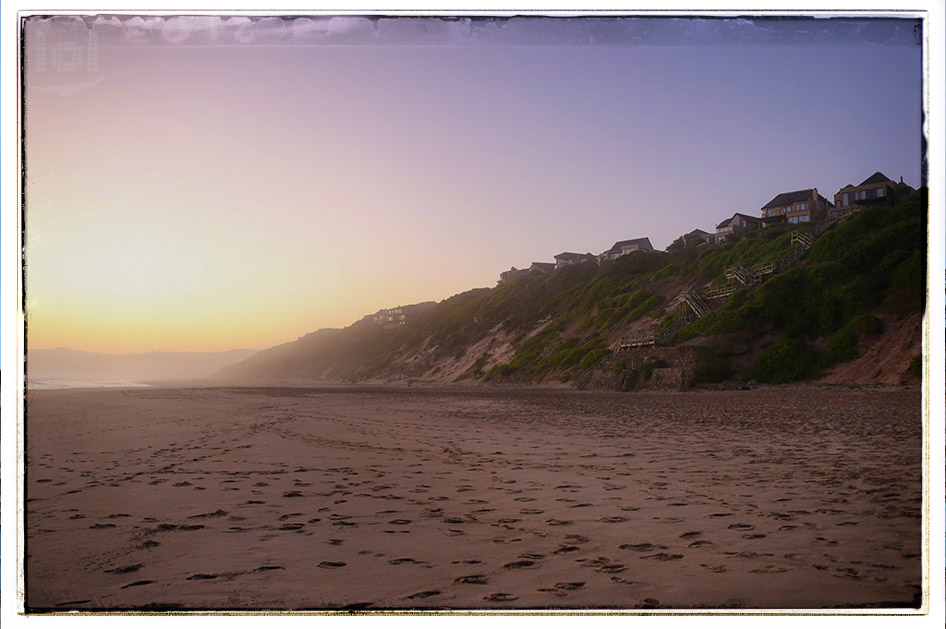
[51, 383]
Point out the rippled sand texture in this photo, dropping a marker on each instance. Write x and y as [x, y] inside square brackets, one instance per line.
[268, 498]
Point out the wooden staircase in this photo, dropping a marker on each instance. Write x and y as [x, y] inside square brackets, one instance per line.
[803, 240]
[585, 378]
[742, 275]
[694, 305]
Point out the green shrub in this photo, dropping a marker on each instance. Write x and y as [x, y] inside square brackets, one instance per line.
[916, 365]
[786, 360]
[840, 348]
[711, 367]
[867, 324]
[645, 371]
[592, 357]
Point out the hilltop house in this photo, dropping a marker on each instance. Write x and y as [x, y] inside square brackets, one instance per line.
[800, 206]
[733, 228]
[391, 317]
[624, 247]
[512, 274]
[542, 267]
[568, 258]
[699, 233]
[875, 190]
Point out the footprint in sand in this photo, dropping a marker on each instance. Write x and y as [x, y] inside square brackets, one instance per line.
[125, 569]
[332, 564]
[612, 568]
[424, 594]
[741, 527]
[690, 534]
[662, 557]
[699, 542]
[500, 597]
[219, 513]
[573, 585]
[525, 563]
[612, 519]
[554, 522]
[565, 549]
[136, 583]
[472, 579]
[640, 548]
[267, 568]
[712, 568]
[531, 511]
[201, 577]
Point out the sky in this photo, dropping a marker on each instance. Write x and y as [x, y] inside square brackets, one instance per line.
[218, 183]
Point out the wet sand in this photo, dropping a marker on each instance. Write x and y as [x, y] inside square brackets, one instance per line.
[294, 498]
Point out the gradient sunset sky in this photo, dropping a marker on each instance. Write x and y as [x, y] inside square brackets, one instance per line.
[212, 183]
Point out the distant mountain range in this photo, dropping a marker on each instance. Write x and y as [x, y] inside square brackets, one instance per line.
[71, 364]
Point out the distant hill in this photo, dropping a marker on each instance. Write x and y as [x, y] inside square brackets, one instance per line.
[70, 364]
[827, 305]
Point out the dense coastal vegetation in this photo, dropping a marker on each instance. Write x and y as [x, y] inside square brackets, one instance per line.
[557, 326]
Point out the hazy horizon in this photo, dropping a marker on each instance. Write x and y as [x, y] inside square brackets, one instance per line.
[210, 184]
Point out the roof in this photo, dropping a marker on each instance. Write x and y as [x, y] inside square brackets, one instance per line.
[789, 197]
[698, 232]
[640, 242]
[877, 177]
[744, 217]
[543, 265]
[572, 256]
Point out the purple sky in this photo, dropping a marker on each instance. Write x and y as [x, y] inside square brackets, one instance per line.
[226, 184]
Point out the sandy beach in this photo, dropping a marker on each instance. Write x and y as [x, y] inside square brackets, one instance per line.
[372, 498]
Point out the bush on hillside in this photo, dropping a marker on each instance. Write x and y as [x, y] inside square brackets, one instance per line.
[785, 360]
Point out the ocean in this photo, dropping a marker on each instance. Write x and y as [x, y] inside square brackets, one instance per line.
[51, 383]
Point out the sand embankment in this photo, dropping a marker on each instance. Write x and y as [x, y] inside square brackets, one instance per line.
[295, 498]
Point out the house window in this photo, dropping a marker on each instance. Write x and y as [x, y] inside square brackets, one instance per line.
[846, 199]
[880, 192]
[801, 206]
